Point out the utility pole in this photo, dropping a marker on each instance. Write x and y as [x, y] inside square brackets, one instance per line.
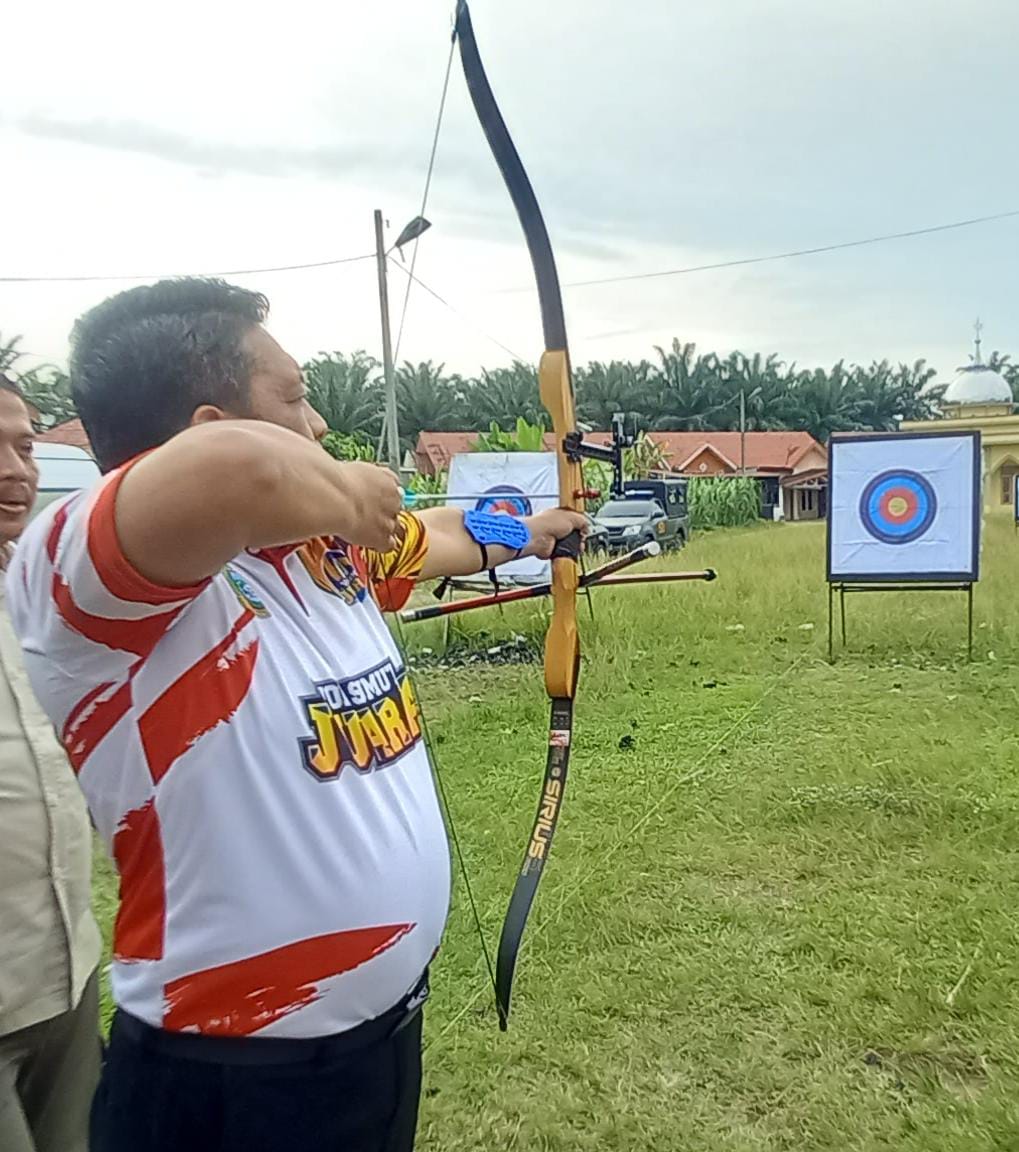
[392, 430]
[742, 432]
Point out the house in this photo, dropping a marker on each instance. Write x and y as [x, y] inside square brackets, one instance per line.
[71, 432]
[434, 450]
[792, 466]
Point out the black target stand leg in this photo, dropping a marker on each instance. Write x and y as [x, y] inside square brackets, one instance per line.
[969, 624]
[842, 611]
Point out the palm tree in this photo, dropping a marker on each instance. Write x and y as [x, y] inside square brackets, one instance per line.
[9, 353]
[503, 394]
[1003, 364]
[346, 391]
[688, 396]
[887, 395]
[764, 382]
[621, 386]
[427, 400]
[823, 402]
[45, 386]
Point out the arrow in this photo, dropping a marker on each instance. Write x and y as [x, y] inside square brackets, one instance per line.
[604, 576]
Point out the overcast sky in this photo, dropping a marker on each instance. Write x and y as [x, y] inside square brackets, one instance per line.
[658, 134]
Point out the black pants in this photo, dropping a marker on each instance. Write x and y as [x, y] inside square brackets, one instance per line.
[152, 1099]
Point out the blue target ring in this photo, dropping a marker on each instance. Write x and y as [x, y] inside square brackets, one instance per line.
[898, 506]
[504, 498]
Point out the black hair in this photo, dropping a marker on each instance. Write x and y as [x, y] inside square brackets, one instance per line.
[145, 359]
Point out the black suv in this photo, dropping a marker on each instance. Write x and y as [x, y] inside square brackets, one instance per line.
[647, 510]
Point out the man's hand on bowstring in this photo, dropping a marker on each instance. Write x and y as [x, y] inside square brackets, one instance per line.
[376, 499]
[548, 528]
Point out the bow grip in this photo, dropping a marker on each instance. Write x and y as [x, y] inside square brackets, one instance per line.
[568, 548]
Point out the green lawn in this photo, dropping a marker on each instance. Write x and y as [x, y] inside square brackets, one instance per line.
[783, 914]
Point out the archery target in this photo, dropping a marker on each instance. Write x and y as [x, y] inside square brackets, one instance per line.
[516, 483]
[898, 506]
[904, 506]
[505, 498]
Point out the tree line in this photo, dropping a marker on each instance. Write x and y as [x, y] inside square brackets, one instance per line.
[680, 390]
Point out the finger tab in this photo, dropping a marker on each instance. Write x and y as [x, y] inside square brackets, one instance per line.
[568, 548]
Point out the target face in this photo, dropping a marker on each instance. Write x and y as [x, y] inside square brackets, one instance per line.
[904, 507]
[898, 506]
[511, 483]
[504, 498]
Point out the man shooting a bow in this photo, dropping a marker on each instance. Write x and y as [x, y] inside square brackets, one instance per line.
[204, 631]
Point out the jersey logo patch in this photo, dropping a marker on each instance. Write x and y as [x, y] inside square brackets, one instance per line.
[248, 597]
[332, 569]
[364, 722]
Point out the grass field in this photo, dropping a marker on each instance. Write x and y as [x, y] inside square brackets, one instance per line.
[782, 910]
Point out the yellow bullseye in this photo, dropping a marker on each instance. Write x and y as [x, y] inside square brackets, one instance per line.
[898, 506]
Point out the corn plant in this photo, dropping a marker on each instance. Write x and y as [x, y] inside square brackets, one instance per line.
[723, 501]
[422, 485]
[343, 447]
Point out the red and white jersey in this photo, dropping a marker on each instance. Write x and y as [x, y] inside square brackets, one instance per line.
[250, 750]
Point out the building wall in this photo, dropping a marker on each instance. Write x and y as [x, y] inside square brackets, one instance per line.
[816, 457]
[705, 463]
[802, 503]
[999, 438]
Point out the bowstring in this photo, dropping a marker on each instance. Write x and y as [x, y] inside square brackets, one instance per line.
[433, 761]
[700, 771]
[401, 640]
[424, 199]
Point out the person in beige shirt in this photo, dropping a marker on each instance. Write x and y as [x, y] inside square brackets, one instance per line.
[49, 942]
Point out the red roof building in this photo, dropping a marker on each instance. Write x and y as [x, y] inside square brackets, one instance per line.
[434, 450]
[691, 453]
[792, 466]
[722, 453]
[71, 432]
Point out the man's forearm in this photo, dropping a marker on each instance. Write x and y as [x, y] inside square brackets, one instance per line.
[196, 502]
[452, 551]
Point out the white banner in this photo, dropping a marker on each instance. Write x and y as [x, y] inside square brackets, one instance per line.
[518, 483]
[904, 506]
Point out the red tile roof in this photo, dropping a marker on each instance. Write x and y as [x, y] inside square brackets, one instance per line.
[434, 450]
[70, 432]
[774, 453]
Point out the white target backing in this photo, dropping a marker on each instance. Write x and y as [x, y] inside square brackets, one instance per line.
[904, 507]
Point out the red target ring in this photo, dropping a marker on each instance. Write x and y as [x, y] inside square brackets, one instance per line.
[898, 506]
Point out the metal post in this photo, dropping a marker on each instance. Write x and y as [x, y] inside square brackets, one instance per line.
[842, 611]
[392, 428]
[742, 432]
[831, 624]
[969, 626]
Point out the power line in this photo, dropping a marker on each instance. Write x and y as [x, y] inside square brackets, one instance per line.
[424, 198]
[912, 232]
[787, 255]
[446, 304]
[176, 275]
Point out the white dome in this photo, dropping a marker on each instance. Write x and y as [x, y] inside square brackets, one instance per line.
[978, 384]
